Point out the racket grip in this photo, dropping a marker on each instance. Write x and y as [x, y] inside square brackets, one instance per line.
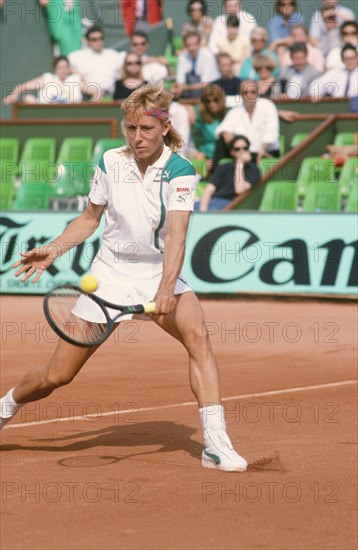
[149, 308]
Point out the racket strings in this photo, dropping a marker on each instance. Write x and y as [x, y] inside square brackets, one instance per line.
[77, 315]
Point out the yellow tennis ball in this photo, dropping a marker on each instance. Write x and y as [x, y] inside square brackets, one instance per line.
[89, 283]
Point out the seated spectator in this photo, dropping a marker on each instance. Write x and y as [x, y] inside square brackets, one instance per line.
[196, 66]
[97, 65]
[154, 68]
[315, 57]
[227, 81]
[258, 39]
[330, 38]
[131, 77]
[268, 86]
[235, 44]
[205, 118]
[287, 13]
[257, 118]
[317, 26]
[61, 86]
[296, 78]
[199, 20]
[230, 179]
[349, 35]
[219, 31]
[338, 82]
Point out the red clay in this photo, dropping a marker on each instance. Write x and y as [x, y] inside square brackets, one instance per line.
[133, 480]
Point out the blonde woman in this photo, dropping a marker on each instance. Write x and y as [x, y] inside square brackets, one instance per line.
[147, 191]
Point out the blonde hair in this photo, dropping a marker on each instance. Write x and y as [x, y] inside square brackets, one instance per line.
[147, 98]
[261, 60]
[124, 73]
[212, 91]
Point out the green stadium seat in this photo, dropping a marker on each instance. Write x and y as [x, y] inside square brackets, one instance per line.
[348, 176]
[9, 150]
[315, 169]
[32, 196]
[346, 138]
[8, 172]
[266, 165]
[103, 145]
[72, 179]
[39, 149]
[322, 197]
[32, 171]
[7, 194]
[200, 188]
[352, 202]
[279, 196]
[77, 149]
[199, 165]
[298, 138]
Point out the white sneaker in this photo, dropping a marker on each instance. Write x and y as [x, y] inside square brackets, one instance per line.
[220, 454]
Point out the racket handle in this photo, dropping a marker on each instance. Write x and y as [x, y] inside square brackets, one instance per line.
[149, 308]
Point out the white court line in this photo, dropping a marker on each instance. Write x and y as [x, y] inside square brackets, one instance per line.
[185, 404]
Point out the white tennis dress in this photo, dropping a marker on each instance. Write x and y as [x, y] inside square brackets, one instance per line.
[129, 264]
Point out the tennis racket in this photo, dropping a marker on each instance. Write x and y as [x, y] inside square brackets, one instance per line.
[83, 319]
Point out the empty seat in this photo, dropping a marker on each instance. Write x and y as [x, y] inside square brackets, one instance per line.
[348, 176]
[103, 145]
[37, 171]
[346, 138]
[279, 196]
[7, 193]
[39, 149]
[32, 196]
[352, 202]
[297, 139]
[72, 179]
[322, 197]
[313, 170]
[75, 150]
[9, 150]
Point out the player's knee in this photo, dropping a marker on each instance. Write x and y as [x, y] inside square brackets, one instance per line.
[57, 379]
[196, 338]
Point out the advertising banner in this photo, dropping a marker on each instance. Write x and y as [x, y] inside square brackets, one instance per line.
[225, 253]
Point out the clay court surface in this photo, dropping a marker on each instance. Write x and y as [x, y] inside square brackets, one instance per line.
[112, 461]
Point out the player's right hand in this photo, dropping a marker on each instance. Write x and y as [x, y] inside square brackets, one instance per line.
[34, 262]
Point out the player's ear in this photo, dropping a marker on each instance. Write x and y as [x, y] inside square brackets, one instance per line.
[166, 127]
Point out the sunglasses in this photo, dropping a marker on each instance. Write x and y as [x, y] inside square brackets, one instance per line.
[349, 33]
[258, 39]
[240, 148]
[263, 67]
[97, 39]
[139, 43]
[195, 9]
[133, 62]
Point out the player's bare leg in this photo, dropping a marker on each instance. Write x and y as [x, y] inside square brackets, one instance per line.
[40, 382]
[187, 324]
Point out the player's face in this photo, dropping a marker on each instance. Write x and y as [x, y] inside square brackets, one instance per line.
[145, 136]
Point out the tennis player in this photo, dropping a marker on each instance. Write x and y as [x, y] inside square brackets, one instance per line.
[146, 190]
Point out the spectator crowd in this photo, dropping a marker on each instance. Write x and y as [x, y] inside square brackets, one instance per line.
[224, 77]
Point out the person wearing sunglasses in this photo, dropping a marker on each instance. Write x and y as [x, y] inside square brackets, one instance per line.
[268, 86]
[287, 13]
[230, 179]
[348, 35]
[258, 39]
[154, 68]
[131, 77]
[199, 20]
[98, 66]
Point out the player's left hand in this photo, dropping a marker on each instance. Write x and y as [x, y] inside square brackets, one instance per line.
[165, 302]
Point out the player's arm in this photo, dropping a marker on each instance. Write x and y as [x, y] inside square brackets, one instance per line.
[36, 261]
[174, 252]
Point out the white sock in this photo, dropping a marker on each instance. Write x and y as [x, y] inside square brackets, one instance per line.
[213, 417]
[8, 406]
